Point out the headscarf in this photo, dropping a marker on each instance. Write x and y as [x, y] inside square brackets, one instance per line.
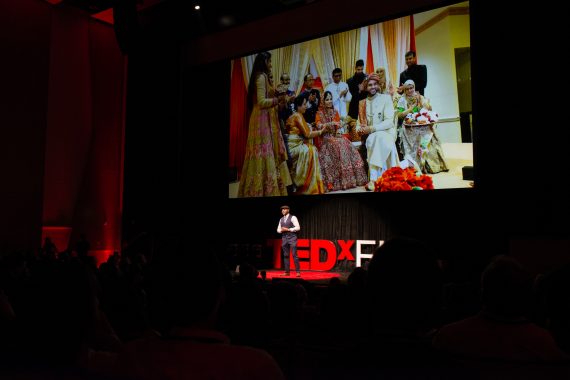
[382, 76]
[381, 72]
[414, 98]
[413, 94]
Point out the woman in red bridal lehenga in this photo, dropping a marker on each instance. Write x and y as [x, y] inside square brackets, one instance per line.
[342, 166]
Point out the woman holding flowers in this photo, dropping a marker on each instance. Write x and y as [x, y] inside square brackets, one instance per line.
[419, 142]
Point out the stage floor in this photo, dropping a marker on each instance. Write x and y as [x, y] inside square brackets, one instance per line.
[311, 276]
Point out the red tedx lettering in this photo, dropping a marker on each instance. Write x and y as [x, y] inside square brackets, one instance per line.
[301, 254]
[345, 253]
[330, 260]
[308, 252]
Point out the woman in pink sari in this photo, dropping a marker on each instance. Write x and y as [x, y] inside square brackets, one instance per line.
[341, 165]
[265, 171]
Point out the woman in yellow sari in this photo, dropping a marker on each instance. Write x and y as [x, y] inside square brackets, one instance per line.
[305, 170]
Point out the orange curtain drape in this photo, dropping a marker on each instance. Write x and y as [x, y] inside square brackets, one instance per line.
[369, 57]
[238, 117]
[412, 35]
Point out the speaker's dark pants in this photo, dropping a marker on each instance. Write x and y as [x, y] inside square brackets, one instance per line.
[289, 245]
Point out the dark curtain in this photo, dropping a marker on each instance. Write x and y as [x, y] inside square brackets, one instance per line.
[24, 26]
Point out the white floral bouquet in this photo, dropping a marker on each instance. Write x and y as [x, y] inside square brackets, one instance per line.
[420, 118]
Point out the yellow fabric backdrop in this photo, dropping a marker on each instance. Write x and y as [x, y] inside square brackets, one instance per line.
[345, 48]
[397, 41]
[389, 29]
[280, 62]
[304, 56]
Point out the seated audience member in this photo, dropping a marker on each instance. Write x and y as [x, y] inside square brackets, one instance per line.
[49, 251]
[501, 330]
[59, 327]
[554, 296]
[401, 302]
[404, 286]
[247, 309]
[190, 292]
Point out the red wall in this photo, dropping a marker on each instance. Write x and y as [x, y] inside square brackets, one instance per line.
[64, 125]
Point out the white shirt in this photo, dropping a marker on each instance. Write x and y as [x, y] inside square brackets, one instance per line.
[340, 102]
[295, 223]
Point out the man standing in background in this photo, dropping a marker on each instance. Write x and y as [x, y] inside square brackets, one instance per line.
[356, 88]
[340, 93]
[415, 72]
[286, 81]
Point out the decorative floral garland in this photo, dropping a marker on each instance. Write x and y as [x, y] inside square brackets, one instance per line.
[398, 179]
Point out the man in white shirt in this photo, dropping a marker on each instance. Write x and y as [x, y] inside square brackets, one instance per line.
[288, 227]
[376, 119]
[340, 93]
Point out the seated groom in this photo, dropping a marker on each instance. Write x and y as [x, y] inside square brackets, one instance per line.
[376, 119]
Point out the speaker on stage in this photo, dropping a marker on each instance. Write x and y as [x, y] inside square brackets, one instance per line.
[126, 24]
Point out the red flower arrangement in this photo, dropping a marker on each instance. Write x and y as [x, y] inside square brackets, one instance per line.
[398, 179]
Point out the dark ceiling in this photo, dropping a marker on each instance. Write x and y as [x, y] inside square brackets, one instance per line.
[180, 15]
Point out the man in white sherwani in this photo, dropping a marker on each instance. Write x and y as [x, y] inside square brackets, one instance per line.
[376, 119]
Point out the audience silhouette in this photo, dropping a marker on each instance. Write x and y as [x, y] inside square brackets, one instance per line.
[174, 315]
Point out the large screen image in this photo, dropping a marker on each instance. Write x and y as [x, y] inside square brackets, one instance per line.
[384, 107]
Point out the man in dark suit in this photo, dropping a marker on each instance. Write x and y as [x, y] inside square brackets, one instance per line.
[415, 72]
[356, 88]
